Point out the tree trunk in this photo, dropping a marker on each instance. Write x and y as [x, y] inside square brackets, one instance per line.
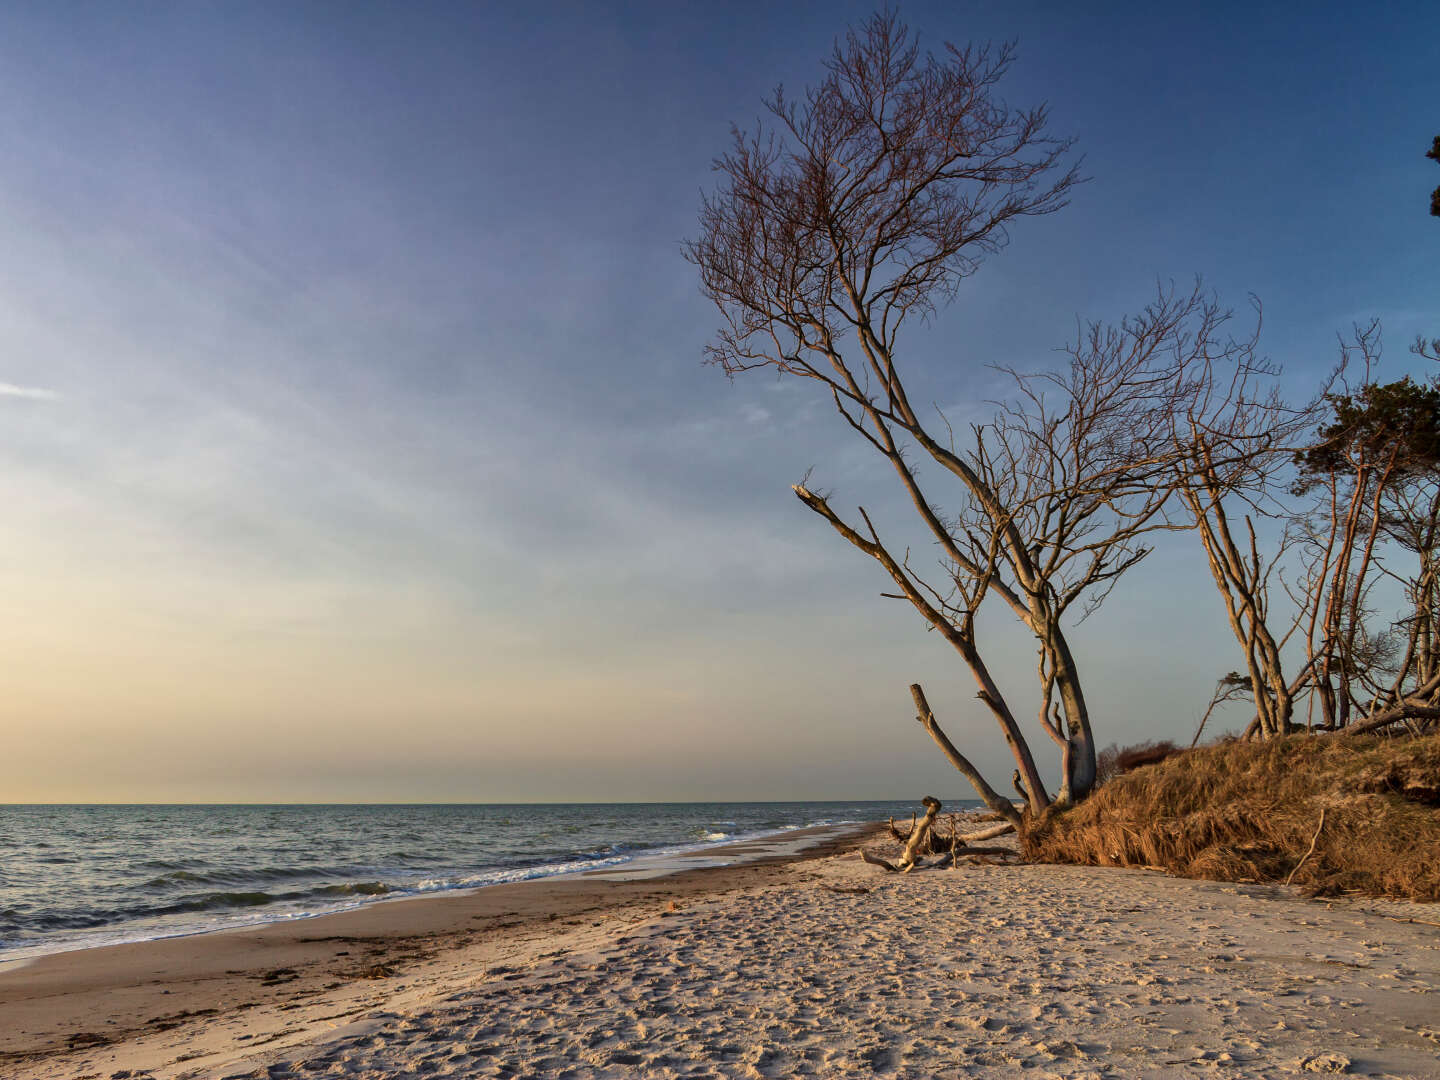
[993, 799]
[1079, 752]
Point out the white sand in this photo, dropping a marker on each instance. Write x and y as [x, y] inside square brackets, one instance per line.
[836, 969]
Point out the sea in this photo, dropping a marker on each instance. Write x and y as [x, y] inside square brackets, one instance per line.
[74, 877]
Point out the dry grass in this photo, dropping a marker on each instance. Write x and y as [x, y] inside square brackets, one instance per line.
[1114, 760]
[1249, 811]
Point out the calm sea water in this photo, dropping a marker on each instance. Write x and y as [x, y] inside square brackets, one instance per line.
[78, 876]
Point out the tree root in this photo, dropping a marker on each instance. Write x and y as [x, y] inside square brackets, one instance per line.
[1313, 841]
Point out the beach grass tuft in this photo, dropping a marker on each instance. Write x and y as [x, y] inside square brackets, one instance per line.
[1331, 815]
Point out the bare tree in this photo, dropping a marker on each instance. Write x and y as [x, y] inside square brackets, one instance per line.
[864, 206]
[1236, 438]
[1411, 522]
[1373, 470]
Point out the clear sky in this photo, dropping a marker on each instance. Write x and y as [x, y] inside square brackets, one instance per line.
[354, 440]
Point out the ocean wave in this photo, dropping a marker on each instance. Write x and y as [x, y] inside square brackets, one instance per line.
[241, 877]
[168, 880]
[169, 864]
[222, 901]
[17, 922]
[515, 873]
[355, 888]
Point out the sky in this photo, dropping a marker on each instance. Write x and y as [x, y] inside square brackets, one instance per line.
[355, 443]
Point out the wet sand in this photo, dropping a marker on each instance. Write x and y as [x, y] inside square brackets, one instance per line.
[823, 966]
[172, 1005]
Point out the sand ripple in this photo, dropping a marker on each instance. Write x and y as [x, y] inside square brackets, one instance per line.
[981, 972]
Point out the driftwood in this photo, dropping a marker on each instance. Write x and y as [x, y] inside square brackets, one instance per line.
[952, 857]
[987, 834]
[876, 860]
[948, 859]
[908, 833]
[916, 845]
[939, 840]
[920, 835]
[925, 839]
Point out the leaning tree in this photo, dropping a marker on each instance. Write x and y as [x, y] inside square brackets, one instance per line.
[1375, 467]
[861, 208]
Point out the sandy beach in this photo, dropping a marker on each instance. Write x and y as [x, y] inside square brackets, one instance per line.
[811, 965]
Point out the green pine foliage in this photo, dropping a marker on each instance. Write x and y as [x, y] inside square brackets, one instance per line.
[1394, 424]
[1434, 155]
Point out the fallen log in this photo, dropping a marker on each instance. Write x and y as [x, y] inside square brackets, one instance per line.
[975, 854]
[924, 839]
[1415, 705]
[988, 834]
[944, 860]
[916, 844]
[940, 841]
[876, 860]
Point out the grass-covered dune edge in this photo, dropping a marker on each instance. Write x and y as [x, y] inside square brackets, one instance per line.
[1252, 811]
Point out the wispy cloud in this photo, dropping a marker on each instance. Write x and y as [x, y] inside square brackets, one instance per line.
[34, 393]
[754, 414]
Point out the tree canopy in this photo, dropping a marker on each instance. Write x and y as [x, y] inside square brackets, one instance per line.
[1434, 155]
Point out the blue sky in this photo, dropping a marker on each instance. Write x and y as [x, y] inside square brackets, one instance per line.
[354, 440]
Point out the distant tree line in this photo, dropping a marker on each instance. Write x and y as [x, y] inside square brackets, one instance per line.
[860, 207]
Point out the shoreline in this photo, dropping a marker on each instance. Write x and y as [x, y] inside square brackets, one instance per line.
[717, 852]
[812, 964]
[148, 1005]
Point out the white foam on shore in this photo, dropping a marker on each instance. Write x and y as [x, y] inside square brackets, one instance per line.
[751, 849]
[646, 863]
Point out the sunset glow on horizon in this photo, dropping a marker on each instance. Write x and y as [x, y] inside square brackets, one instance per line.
[355, 443]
